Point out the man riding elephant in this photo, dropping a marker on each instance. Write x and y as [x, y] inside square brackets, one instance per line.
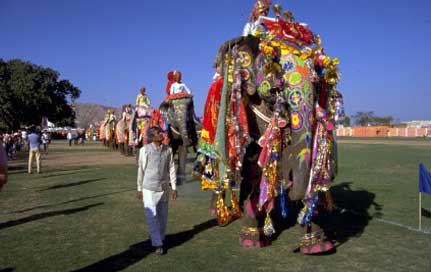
[141, 118]
[274, 139]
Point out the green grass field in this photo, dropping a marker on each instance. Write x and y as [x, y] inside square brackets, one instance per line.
[86, 218]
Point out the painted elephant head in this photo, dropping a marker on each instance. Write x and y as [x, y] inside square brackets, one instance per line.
[179, 114]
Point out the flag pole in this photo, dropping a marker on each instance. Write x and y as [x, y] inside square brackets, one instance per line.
[420, 211]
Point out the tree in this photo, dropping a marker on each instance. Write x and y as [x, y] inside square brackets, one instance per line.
[364, 118]
[383, 121]
[28, 92]
[346, 121]
[369, 119]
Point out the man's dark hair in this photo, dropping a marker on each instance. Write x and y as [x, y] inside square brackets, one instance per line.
[152, 131]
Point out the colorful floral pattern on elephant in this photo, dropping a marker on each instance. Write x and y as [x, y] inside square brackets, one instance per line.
[294, 79]
[245, 74]
[297, 121]
[264, 88]
[296, 98]
[244, 58]
[288, 63]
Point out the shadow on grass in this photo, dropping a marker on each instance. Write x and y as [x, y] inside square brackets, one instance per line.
[137, 252]
[351, 215]
[17, 167]
[349, 219]
[425, 213]
[72, 184]
[68, 171]
[71, 201]
[38, 216]
[8, 269]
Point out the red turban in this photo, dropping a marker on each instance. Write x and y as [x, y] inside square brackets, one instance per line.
[170, 82]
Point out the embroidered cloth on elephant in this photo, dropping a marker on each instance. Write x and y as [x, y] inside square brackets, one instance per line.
[209, 124]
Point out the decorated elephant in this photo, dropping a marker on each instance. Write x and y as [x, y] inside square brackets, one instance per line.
[109, 126]
[122, 131]
[271, 137]
[141, 122]
[107, 129]
[178, 111]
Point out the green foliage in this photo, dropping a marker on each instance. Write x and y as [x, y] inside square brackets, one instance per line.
[28, 92]
[370, 119]
[346, 121]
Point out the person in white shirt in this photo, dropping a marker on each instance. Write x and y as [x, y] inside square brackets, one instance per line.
[45, 141]
[178, 86]
[156, 169]
[69, 137]
[260, 10]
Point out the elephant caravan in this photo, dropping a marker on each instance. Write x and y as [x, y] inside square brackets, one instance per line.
[268, 133]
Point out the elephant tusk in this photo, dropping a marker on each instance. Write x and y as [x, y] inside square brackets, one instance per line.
[260, 114]
[175, 131]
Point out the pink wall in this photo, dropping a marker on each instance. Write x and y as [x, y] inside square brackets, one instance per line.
[383, 131]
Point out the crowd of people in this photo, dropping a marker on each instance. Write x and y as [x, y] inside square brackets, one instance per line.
[25, 140]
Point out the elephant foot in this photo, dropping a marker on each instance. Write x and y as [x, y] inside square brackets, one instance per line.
[253, 237]
[315, 243]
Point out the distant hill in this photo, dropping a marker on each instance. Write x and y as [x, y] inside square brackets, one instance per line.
[91, 113]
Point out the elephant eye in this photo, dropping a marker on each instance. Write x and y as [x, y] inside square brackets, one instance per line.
[274, 90]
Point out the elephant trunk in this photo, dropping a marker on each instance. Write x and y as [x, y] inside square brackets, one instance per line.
[183, 112]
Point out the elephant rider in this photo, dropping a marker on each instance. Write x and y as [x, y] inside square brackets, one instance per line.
[260, 9]
[178, 87]
[143, 103]
[171, 81]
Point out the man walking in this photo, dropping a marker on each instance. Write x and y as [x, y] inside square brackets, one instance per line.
[34, 146]
[156, 169]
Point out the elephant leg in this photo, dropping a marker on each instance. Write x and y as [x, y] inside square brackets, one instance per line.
[313, 240]
[182, 161]
[252, 221]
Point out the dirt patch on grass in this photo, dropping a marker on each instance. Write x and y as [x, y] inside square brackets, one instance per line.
[60, 154]
[87, 158]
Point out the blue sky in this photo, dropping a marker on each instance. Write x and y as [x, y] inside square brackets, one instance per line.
[109, 49]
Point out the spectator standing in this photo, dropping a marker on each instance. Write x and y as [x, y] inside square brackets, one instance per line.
[24, 138]
[34, 145]
[3, 165]
[9, 146]
[45, 141]
[69, 137]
